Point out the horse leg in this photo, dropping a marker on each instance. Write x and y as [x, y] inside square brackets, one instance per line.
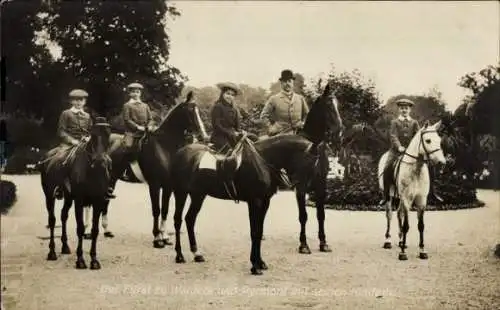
[104, 214]
[154, 194]
[80, 230]
[388, 216]
[301, 202]
[64, 219]
[403, 215]
[180, 201]
[165, 201]
[50, 204]
[191, 215]
[97, 209]
[320, 215]
[254, 213]
[86, 220]
[265, 207]
[420, 215]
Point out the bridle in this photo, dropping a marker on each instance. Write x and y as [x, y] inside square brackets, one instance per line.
[421, 143]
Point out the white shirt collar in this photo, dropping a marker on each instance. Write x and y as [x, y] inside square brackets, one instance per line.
[75, 110]
[401, 118]
[134, 101]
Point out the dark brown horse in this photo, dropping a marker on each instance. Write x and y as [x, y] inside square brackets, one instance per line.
[88, 175]
[152, 164]
[255, 174]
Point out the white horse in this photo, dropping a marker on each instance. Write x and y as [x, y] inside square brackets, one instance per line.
[411, 175]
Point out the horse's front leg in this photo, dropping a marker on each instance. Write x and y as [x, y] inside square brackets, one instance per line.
[180, 201]
[97, 209]
[388, 216]
[264, 208]
[420, 204]
[320, 192]
[301, 202]
[64, 219]
[104, 221]
[50, 204]
[86, 220]
[191, 215]
[254, 214]
[404, 226]
[165, 201]
[154, 194]
[80, 230]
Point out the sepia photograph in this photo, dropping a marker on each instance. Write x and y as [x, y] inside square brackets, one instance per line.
[250, 154]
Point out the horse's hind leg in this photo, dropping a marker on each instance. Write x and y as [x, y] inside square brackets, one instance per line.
[320, 215]
[301, 202]
[180, 201]
[191, 215]
[64, 219]
[104, 221]
[97, 209]
[50, 204]
[154, 194]
[388, 216]
[80, 230]
[165, 202]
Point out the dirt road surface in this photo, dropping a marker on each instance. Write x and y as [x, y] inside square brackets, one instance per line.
[461, 272]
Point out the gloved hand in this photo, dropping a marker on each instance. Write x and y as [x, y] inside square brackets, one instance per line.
[152, 128]
[141, 128]
[401, 149]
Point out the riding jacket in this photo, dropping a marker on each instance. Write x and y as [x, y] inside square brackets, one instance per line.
[226, 119]
[73, 125]
[283, 111]
[402, 131]
[135, 114]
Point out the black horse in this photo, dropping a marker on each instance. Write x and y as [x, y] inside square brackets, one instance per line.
[88, 175]
[253, 174]
[152, 164]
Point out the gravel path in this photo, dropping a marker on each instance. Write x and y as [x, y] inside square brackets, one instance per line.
[461, 272]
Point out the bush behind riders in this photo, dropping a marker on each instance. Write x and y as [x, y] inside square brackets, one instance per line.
[402, 130]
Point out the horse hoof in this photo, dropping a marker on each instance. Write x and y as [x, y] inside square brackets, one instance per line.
[263, 265]
[256, 272]
[179, 259]
[199, 258]
[87, 236]
[52, 256]
[95, 265]
[65, 250]
[167, 241]
[109, 234]
[324, 248]
[158, 244]
[403, 256]
[423, 255]
[304, 249]
[387, 245]
[80, 264]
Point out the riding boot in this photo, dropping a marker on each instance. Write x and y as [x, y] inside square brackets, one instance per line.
[433, 191]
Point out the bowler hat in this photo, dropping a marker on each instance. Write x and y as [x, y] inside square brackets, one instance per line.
[404, 102]
[287, 75]
[228, 85]
[134, 86]
[78, 93]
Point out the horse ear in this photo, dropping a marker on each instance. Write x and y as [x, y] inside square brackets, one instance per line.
[438, 124]
[189, 96]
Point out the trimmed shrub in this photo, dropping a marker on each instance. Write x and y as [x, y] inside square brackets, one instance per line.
[7, 196]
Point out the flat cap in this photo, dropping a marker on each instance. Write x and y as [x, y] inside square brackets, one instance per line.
[228, 85]
[405, 102]
[135, 86]
[78, 93]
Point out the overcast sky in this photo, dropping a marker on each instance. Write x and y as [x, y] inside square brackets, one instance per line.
[405, 47]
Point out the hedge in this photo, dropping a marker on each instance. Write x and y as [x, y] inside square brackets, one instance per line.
[7, 196]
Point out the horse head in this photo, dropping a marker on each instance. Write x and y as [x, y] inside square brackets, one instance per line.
[323, 120]
[183, 117]
[98, 145]
[429, 146]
